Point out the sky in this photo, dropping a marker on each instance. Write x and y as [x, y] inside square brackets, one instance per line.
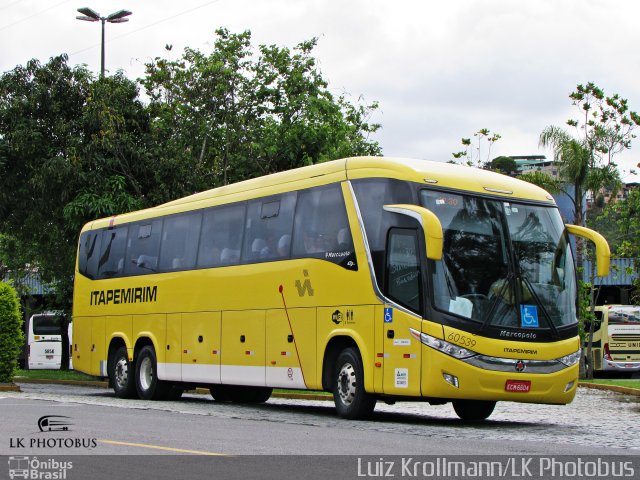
[440, 70]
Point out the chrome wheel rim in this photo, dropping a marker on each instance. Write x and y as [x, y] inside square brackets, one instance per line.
[347, 384]
[122, 372]
[146, 373]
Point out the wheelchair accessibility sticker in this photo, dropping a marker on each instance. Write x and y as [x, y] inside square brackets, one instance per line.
[529, 316]
[388, 315]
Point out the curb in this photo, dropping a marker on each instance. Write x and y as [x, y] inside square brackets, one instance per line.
[611, 388]
[77, 383]
[9, 387]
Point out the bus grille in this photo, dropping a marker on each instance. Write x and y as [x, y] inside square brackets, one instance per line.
[625, 338]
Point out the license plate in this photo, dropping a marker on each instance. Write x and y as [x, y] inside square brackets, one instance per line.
[517, 386]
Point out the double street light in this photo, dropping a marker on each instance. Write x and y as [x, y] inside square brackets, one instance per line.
[89, 15]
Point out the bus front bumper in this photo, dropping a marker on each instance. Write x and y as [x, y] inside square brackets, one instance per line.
[450, 378]
[620, 366]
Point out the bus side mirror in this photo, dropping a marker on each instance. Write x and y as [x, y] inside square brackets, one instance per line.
[603, 254]
[430, 225]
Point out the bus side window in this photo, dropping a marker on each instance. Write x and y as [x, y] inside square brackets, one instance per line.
[403, 268]
[89, 253]
[268, 228]
[221, 236]
[179, 246]
[321, 227]
[143, 247]
[112, 249]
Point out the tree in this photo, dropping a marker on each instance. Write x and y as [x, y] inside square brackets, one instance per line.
[502, 164]
[478, 153]
[234, 114]
[11, 337]
[71, 149]
[603, 129]
[74, 148]
[620, 223]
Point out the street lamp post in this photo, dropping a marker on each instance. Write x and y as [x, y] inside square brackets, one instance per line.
[89, 15]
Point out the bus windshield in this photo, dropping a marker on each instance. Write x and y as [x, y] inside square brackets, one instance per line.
[623, 315]
[47, 324]
[504, 264]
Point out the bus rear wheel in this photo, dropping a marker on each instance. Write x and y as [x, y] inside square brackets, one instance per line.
[121, 374]
[148, 386]
[473, 410]
[351, 400]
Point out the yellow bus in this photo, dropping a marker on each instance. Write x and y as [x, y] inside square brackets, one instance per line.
[370, 278]
[616, 339]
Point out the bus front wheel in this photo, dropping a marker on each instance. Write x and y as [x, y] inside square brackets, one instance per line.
[147, 383]
[121, 374]
[473, 410]
[351, 400]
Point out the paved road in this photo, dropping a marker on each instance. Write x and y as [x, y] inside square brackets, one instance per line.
[596, 422]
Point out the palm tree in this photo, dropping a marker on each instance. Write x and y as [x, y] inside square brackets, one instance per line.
[579, 170]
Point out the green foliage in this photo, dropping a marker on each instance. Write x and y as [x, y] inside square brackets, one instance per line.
[74, 148]
[502, 164]
[603, 129]
[235, 113]
[542, 179]
[477, 153]
[11, 336]
[619, 222]
[71, 148]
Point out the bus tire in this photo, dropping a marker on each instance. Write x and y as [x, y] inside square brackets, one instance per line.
[349, 395]
[147, 384]
[256, 394]
[473, 410]
[121, 374]
[221, 393]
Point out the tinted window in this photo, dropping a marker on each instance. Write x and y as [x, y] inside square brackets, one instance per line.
[268, 228]
[112, 248]
[372, 195]
[47, 325]
[221, 237]
[180, 241]
[403, 268]
[143, 247]
[89, 253]
[322, 228]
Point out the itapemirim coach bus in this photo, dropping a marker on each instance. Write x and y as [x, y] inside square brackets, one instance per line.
[371, 278]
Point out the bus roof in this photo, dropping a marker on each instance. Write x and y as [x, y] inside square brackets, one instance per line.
[436, 174]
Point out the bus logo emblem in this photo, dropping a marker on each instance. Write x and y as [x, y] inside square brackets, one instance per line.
[53, 423]
[520, 366]
[304, 288]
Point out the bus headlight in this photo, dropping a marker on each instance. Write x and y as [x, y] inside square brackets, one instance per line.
[442, 346]
[571, 359]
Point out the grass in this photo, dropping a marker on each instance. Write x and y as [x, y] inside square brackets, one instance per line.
[615, 381]
[54, 375]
